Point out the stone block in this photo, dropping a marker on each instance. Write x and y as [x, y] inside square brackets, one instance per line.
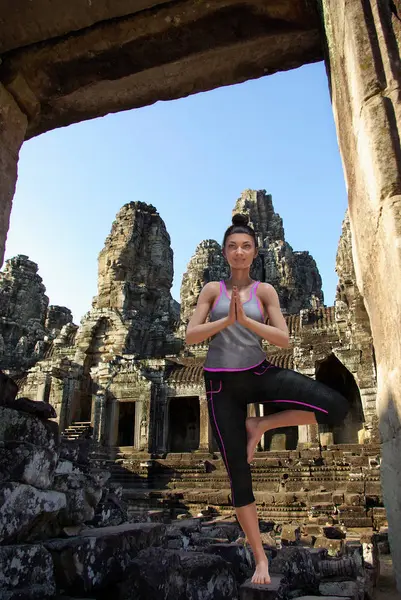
[111, 510]
[317, 555]
[21, 427]
[25, 511]
[345, 566]
[290, 534]
[323, 598]
[354, 499]
[276, 590]
[83, 493]
[338, 498]
[264, 498]
[359, 461]
[356, 521]
[373, 488]
[100, 557]
[379, 516]
[333, 547]
[181, 576]
[334, 533]
[319, 498]
[26, 463]
[188, 526]
[77, 451]
[26, 572]
[315, 530]
[268, 540]
[8, 389]
[284, 499]
[37, 408]
[346, 588]
[237, 555]
[297, 566]
[307, 540]
[355, 487]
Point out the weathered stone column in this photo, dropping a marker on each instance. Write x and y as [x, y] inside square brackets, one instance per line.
[99, 418]
[113, 410]
[363, 62]
[43, 390]
[203, 424]
[13, 124]
[67, 403]
[308, 435]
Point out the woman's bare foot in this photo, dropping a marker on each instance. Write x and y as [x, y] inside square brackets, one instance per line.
[254, 433]
[261, 575]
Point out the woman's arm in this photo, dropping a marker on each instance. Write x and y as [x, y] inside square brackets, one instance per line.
[198, 330]
[277, 331]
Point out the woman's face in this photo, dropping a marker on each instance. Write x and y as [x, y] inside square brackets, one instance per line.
[239, 250]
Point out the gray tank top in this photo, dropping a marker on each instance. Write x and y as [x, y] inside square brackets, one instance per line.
[235, 348]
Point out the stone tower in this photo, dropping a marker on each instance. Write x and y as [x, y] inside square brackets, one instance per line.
[133, 312]
[26, 318]
[294, 275]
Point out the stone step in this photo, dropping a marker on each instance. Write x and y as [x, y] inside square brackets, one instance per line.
[275, 590]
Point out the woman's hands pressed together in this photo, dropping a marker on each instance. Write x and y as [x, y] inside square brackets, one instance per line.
[241, 317]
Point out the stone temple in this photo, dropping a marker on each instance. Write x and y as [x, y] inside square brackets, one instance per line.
[65, 64]
[126, 375]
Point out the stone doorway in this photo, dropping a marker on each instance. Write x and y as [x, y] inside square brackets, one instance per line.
[334, 374]
[184, 424]
[126, 424]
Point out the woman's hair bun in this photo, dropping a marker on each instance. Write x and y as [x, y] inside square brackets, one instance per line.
[240, 219]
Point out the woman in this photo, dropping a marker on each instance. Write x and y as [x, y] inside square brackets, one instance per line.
[237, 373]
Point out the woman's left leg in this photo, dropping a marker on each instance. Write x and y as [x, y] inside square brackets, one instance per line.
[297, 400]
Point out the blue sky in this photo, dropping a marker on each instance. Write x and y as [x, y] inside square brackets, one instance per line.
[190, 158]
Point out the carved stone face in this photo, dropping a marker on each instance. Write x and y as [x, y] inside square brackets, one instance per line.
[240, 250]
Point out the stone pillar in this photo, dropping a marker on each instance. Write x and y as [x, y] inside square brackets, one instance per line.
[67, 403]
[308, 436]
[363, 63]
[113, 410]
[13, 124]
[259, 410]
[43, 391]
[157, 419]
[203, 424]
[99, 417]
[138, 421]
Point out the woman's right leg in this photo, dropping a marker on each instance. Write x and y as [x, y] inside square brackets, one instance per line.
[227, 412]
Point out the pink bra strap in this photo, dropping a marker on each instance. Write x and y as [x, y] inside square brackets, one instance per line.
[253, 290]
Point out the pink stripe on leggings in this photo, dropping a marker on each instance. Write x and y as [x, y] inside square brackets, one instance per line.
[221, 439]
[303, 404]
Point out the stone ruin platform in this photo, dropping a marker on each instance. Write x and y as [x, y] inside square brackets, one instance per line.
[337, 484]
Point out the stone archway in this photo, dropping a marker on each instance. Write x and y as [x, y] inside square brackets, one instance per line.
[333, 373]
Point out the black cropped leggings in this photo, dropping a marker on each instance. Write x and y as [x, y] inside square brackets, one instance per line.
[228, 394]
